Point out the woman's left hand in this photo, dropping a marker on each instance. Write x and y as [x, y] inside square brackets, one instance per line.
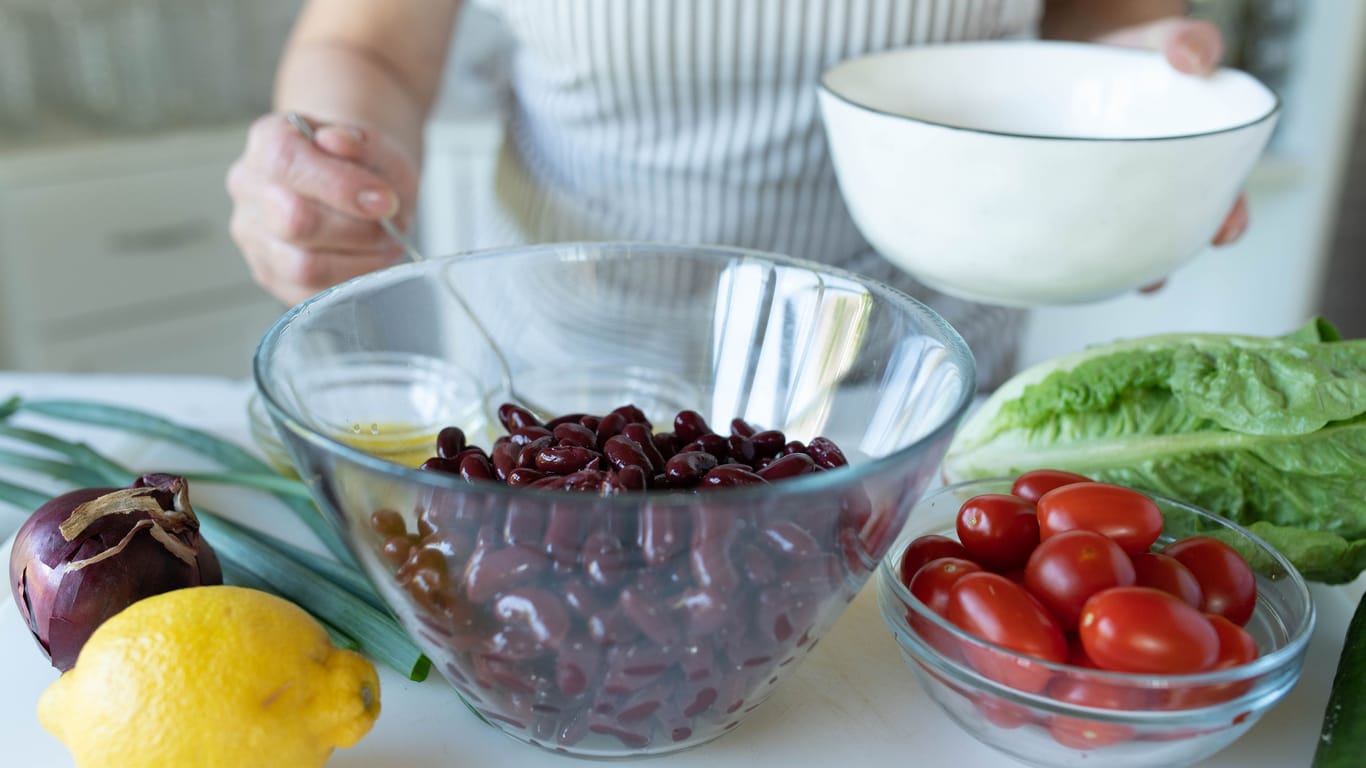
[1194, 47]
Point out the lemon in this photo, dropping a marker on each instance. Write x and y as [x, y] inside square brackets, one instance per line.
[207, 677]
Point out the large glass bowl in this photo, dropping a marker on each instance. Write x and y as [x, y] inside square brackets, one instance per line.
[637, 623]
[1086, 716]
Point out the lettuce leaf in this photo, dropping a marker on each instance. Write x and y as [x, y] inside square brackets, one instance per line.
[1269, 432]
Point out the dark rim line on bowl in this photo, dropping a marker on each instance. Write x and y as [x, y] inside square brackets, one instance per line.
[824, 86]
[790, 487]
[1253, 669]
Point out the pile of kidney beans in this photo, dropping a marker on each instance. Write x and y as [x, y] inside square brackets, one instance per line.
[649, 623]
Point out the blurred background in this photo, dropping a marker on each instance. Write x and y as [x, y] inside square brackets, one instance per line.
[119, 118]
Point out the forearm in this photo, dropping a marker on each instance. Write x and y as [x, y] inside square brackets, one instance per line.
[367, 63]
[1093, 19]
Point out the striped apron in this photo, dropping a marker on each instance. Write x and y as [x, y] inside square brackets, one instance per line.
[695, 121]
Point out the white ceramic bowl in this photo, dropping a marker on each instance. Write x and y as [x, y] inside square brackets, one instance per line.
[1030, 172]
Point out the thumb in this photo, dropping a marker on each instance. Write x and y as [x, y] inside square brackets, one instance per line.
[1193, 46]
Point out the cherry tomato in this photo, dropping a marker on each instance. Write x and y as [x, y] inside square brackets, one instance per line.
[1082, 733]
[926, 548]
[999, 530]
[932, 582]
[1228, 586]
[1236, 647]
[1145, 630]
[995, 609]
[1123, 514]
[1002, 714]
[1033, 484]
[1159, 571]
[1066, 569]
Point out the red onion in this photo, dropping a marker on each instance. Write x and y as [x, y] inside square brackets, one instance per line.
[86, 555]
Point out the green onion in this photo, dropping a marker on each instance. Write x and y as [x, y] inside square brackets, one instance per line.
[25, 499]
[211, 446]
[279, 566]
[71, 473]
[274, 483]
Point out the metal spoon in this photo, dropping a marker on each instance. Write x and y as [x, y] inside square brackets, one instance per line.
[413, 254]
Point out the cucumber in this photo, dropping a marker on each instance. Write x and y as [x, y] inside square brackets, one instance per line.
[1342, 740]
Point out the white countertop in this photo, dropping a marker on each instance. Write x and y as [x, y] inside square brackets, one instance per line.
[852, 701]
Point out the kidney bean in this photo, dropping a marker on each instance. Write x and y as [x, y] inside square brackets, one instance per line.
[591, 422]
[577, 666]
[649, 614]
[795, 446]
[666, 443]
[396, 549]
[449, 442]
[504, 457]
[741, 449]
[514, 417]
[711, 565]
[603, 560]
[573, 727]
[575, 434]
[630, 737]
[562, 538]
[581, 598]
[779, 616]
[527, 435]
[524, 476]
[490, 571]
[745, 649]
[524, 522]
[741, 428]
[493, 670]
[826, 454]
[609, 627]
[757, 565]
[689, 425]
[662, 533]
[768, 443]
[632, 414]
[624, 452]
[730, 476]
[564, 459]
[731, 690]
[716, 445]
[629, 479]
[475, 468]
[535, 612]
[706, 611]
[788, 466]
[697, 663]
[610, 426]
[387, 522]
[816, 575]
[585, 480]
[644, 701]
[789, 539]
[645, 439]
[438, 464]
[567, 418]
[686, 468]
[526, 457]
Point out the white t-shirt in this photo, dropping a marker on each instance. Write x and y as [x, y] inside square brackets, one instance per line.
[696, 121]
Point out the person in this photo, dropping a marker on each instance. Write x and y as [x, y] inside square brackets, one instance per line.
[688, 121]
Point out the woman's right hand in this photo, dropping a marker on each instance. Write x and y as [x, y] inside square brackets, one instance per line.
[306, 216]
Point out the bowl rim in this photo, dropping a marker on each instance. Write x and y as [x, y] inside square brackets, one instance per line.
[826, 88]
[815, 482]
[1296, 644]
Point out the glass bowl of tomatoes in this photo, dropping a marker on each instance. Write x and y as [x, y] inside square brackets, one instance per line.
[1066, 622]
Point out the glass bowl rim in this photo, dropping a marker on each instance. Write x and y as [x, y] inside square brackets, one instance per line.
[804, 484]
[1279, 658]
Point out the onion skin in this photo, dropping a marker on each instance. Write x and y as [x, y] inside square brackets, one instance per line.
[63, 606]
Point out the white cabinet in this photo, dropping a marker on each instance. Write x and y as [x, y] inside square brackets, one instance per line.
[115, 256]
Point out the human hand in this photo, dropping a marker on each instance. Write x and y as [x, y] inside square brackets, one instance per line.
[1192, 46]
[306, 214]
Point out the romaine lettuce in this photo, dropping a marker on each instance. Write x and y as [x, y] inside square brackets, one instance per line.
[1269, 432]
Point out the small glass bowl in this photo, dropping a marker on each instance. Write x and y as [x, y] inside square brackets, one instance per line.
[1153, 728]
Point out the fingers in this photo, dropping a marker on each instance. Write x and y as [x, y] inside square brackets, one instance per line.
[280, 153]
[293, 273]
[1235, 224]
[1193, 46]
